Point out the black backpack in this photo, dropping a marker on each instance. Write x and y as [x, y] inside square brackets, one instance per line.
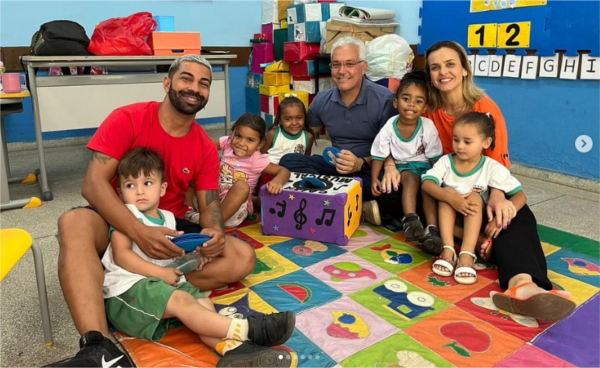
[60, 37]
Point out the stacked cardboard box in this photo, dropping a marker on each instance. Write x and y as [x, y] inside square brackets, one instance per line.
[273, 11]
[274, 84]
[307, 68]
[283, 55]
[337, 30]
[306, 22]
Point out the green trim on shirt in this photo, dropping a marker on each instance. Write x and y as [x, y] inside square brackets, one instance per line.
[479, 165]
[275, 137]
[112, 228]
[157, 221]
[291, 137]
[400, 135]
[515, 191]
[432, 178]
[306, 140]
[377, 158]
[435, 159]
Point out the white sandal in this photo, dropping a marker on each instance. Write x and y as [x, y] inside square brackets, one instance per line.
[466, 280]
[445, 263]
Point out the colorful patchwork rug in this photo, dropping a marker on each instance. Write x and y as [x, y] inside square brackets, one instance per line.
[376, 303]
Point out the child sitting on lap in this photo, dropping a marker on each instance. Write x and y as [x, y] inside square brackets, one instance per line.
[144, 297]
[460, 182]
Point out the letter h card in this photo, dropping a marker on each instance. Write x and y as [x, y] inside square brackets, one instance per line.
[314, 207]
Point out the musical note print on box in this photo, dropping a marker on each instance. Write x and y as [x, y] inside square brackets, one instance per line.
[315, 207]
[299, 215]
[327, 217]
[281, 212]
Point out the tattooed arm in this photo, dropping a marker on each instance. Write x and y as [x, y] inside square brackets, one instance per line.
[98, 191]
[211, 220]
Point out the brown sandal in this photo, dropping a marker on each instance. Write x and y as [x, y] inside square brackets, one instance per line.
[548, 306]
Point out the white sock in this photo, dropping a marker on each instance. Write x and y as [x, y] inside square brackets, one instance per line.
[238, 330]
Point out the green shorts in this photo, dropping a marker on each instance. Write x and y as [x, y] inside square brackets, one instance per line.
[139, 311]
[416, 167]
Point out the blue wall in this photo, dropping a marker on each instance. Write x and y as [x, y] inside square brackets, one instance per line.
[543, 116]
[17, 31]
[20, 19]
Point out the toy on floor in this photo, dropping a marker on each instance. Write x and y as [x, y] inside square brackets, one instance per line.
[314, 207]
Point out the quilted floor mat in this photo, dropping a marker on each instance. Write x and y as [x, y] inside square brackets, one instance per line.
[376, 303]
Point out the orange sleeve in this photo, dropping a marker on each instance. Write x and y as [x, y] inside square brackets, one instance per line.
[500, 152]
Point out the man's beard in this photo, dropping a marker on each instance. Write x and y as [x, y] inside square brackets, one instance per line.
[180, 105]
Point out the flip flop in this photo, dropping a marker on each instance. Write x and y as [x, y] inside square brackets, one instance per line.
[548, 306]
[329, 154]
[189, 242]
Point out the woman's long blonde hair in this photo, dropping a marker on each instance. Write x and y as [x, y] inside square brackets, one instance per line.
[471, 92]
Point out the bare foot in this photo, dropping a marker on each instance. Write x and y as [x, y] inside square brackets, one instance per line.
[483, 244]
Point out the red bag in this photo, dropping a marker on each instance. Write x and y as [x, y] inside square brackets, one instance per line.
[123, 36]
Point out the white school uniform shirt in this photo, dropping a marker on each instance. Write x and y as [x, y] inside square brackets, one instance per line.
[489, 173]
[118, 280]
[283, 143]
[423, 146]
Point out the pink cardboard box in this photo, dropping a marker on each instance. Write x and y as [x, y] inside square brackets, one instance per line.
[269, 29]
[262, 53]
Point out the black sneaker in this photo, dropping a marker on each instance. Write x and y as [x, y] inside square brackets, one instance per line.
[431, 242]
[271, 329]
[412, 226]
[95, 350]
[251, 355]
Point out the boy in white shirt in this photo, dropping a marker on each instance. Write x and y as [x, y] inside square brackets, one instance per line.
[144, 297]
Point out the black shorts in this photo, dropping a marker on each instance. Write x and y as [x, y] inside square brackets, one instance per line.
[187, 226]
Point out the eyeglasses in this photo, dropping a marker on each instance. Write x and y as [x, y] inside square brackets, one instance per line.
[347, 64]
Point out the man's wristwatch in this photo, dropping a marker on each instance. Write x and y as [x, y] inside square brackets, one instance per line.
[365, 165]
